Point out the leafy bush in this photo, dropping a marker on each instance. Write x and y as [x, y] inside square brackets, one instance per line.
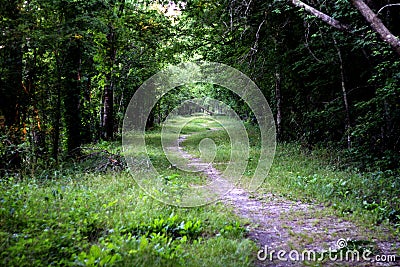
[171, 227]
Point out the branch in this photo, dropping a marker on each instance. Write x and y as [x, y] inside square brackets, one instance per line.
[324, 17]
[306, 34]
[382, 8]
[377, 25]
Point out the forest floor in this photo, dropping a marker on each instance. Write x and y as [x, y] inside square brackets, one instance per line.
[94, 212]
[305, 232]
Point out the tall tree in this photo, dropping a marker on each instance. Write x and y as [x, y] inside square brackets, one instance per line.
[71, 91]
[12, 93]
[72, 94]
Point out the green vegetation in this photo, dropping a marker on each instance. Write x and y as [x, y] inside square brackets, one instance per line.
[372, 196]
[215, 132]
[75, 218]
[71, 217]
[69, 68]
[107, 220]
[318, 176]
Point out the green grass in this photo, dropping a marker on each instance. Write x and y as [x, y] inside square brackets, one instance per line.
[371, 199]
[73, 217]
[95, 219]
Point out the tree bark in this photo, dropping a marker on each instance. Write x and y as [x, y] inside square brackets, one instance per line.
[377, 25]
[344, 93]
[108, 114]
[108, 94]
[57, 115]
[278, 98]
[107, 119]
[71, 96]
[324, 17]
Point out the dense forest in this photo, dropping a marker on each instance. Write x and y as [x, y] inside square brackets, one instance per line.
[69, 68]
[330, 71]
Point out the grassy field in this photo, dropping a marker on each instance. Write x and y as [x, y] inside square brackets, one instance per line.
[78, 215]
[100, 219]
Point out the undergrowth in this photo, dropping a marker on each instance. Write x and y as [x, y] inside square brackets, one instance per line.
[80, 216]
[83, 215]
[318, 175]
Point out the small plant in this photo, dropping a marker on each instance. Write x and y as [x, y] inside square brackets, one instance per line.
[232, 230]
[98, 257]
[170, 227]
[382, 211]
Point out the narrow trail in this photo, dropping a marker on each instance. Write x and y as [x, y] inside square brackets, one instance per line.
[280, 224]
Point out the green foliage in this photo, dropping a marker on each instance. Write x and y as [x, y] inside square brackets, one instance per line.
[75, 218]
[171, 227]
[102, 221]
[377, 127]
[57, 57]
[9, 154]
[374, 196]
[98, 257]
[234, 230]
[319, 175]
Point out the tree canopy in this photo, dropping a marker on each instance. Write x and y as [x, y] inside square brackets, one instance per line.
[330, 70]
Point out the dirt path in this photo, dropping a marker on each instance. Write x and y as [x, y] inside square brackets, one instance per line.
[279, 224]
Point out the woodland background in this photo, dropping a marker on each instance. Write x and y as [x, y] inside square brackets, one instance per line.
[330, 71]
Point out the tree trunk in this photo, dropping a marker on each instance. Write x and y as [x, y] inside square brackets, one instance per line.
[108, 114]
[150, 120]
[344, 93]
[377, 25]
[278, 99]
[108, 95]
[57, 115]
[324, 17]
[71, 96]
[35, 97]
